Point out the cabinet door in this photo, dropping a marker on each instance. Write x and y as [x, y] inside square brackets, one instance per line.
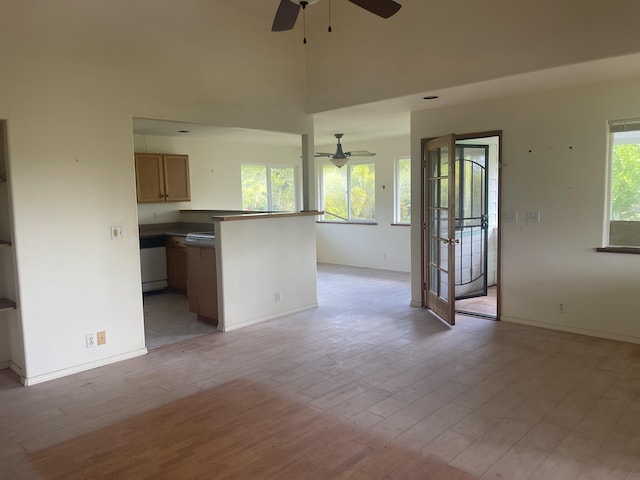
[176, 178]
[208, 301]
[149, 177]
[176, 264]
[203, 287]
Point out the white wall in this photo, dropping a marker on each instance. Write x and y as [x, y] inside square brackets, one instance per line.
[74, 75]
[214, 167]
[260, 258]
[554, 162]
[383, 245]
[427, 45]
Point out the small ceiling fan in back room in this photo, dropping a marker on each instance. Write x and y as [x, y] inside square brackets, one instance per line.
[288, 10]
[340, 158]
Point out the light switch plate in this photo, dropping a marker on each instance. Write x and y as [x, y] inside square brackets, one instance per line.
[118, 232]
[511, 216]
[533, 217]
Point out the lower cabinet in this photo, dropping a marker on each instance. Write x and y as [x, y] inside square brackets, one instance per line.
[177, 264]
[202, 283]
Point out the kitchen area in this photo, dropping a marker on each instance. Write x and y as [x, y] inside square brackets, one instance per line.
[207, 270]
[172, 312]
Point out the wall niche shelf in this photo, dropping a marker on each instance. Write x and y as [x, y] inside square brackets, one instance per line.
[6, 304]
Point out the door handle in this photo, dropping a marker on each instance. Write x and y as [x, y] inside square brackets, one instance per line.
[450, 241]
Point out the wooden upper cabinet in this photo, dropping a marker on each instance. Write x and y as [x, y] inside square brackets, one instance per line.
[162, 178]
[176, 178]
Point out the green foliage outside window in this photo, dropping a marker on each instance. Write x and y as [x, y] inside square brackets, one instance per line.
[254, 187]
[362, 192]
[268, 188]
[283, 190]
[349, 192]
[625, 185]
[334, 192]
[403, 192]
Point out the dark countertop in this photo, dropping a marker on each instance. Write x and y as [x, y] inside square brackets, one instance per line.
[180, 229]
[227, 215]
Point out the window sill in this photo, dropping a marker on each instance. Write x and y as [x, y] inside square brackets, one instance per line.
[630, 250]
[346, 223]
[400, 224]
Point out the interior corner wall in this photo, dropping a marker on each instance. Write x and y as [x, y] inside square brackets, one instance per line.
[383, 245]
[554, 153]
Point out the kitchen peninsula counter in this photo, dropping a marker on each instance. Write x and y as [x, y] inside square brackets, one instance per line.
[232, 215]
[266, 263]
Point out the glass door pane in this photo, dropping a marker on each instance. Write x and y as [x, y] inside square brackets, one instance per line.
[439, 227]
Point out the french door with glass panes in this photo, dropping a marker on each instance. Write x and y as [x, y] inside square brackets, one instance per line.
[438, 227]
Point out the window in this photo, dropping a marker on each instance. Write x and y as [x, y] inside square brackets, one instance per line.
[348, 193]
[403, 191]
[268, 188]
[624, 191]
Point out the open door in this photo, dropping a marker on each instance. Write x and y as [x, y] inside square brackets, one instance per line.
[472, 220]
[438, 227]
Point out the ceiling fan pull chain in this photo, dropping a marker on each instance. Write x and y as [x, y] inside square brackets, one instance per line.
[329, 29]
[304, 21]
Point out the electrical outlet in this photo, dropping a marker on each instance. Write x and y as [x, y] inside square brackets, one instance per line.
[102, 337]
[562, 308]
[278, 297]
[91, 340]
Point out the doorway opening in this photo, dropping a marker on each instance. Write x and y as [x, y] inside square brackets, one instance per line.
[460, 242]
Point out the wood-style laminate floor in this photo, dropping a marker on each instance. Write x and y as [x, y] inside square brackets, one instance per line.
[361, 387]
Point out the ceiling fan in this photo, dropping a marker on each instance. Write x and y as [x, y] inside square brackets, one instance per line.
[340, 158]
[288, 10]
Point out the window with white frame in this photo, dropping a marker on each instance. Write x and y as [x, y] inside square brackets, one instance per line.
[402, 198]
[268, 188]
[348, 194]
[624, 183]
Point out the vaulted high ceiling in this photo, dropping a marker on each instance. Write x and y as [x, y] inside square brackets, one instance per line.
[369, 74]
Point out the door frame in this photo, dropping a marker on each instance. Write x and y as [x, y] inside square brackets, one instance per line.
[423, 218]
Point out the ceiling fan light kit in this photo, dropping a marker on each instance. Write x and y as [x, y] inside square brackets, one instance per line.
[288, 11]
[340, 157]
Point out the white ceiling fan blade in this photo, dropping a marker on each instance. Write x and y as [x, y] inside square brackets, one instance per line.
[323, 154]
[360, 153]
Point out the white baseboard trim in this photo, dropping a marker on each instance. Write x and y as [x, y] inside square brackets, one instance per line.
[28, 381]
[255, 321]
[569, 329]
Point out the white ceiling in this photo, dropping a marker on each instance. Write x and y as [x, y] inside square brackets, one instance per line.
[391, 118]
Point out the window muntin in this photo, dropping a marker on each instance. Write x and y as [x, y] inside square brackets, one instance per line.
[348, 193]
[402, 198]
[268, 188]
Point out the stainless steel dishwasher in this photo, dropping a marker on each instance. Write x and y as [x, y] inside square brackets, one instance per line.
[153, 263]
